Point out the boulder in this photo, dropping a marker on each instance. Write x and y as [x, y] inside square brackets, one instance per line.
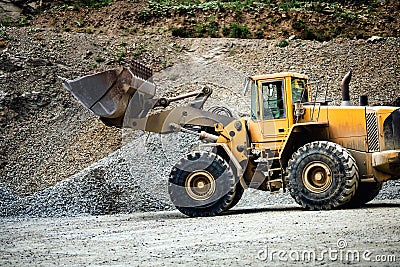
[9, 11]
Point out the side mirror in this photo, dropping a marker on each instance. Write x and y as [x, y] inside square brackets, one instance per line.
[247, 82]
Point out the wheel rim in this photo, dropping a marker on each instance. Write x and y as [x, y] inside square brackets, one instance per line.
[200, 185]
[317, 177]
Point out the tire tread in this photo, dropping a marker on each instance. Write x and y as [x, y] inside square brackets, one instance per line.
[330, 149]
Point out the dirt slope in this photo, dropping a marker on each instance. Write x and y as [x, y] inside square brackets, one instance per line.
[312, 20]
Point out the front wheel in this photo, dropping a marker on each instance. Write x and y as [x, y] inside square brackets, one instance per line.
[202, 184]
[322, 175]
[239, 190]
[365, 193]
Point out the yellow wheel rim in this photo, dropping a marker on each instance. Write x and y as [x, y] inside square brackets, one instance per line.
[200, 185]
[317, 177]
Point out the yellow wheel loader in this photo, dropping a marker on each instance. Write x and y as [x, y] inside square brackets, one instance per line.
[326, 156]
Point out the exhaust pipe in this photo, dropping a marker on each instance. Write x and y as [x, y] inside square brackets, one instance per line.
[363, 100]
[346, 90]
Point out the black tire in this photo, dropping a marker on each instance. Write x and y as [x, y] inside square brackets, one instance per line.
[237, 196]
[322, 175]
[202, 184]
[364, 193]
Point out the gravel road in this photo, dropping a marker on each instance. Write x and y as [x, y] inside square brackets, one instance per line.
[277, 235]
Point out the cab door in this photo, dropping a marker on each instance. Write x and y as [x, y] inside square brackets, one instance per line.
[274, 123]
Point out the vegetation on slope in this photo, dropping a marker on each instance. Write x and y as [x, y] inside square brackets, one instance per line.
[309, 20]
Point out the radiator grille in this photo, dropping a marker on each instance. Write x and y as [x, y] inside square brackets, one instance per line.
[372, 132]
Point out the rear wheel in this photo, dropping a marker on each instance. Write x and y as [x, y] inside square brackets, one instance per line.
[202, 184]
[365, 193]
[322, 175]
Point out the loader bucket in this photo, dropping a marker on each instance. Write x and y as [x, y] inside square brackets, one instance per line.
[108, 94]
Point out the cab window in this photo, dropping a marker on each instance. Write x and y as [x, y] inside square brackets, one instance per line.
[255, 107]
[273, 100]
[299, 90]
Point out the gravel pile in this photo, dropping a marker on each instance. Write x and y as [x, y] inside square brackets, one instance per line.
[6, 195]
[36, 112]
[48, 137]
[114, 184]
[132, 179]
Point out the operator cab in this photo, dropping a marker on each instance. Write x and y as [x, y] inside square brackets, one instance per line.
[271, 93]
[273, 101]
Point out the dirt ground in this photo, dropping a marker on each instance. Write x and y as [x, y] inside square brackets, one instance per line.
[277, 235]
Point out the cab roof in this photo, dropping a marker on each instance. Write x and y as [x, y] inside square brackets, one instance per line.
[278, 75]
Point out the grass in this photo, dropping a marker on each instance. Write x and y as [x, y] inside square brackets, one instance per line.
[186, 5]
[182, 32]
[164, 8]
[10, 22]
[192, 28]
[139, 50]
[239, 31]
[99, 59]
[283, 43]
[89, 3]
[212, 29]
[289, 5]
[259, 34]
[223, 12]
[299, 25]
[81, 3]
[251, 18]
[121, 55]
[309, 33]
[161, 8]
[88, 30]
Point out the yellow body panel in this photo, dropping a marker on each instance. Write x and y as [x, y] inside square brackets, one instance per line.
[347, 125]
[235, 136]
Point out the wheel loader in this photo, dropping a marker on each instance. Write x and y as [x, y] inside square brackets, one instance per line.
[326, 156]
